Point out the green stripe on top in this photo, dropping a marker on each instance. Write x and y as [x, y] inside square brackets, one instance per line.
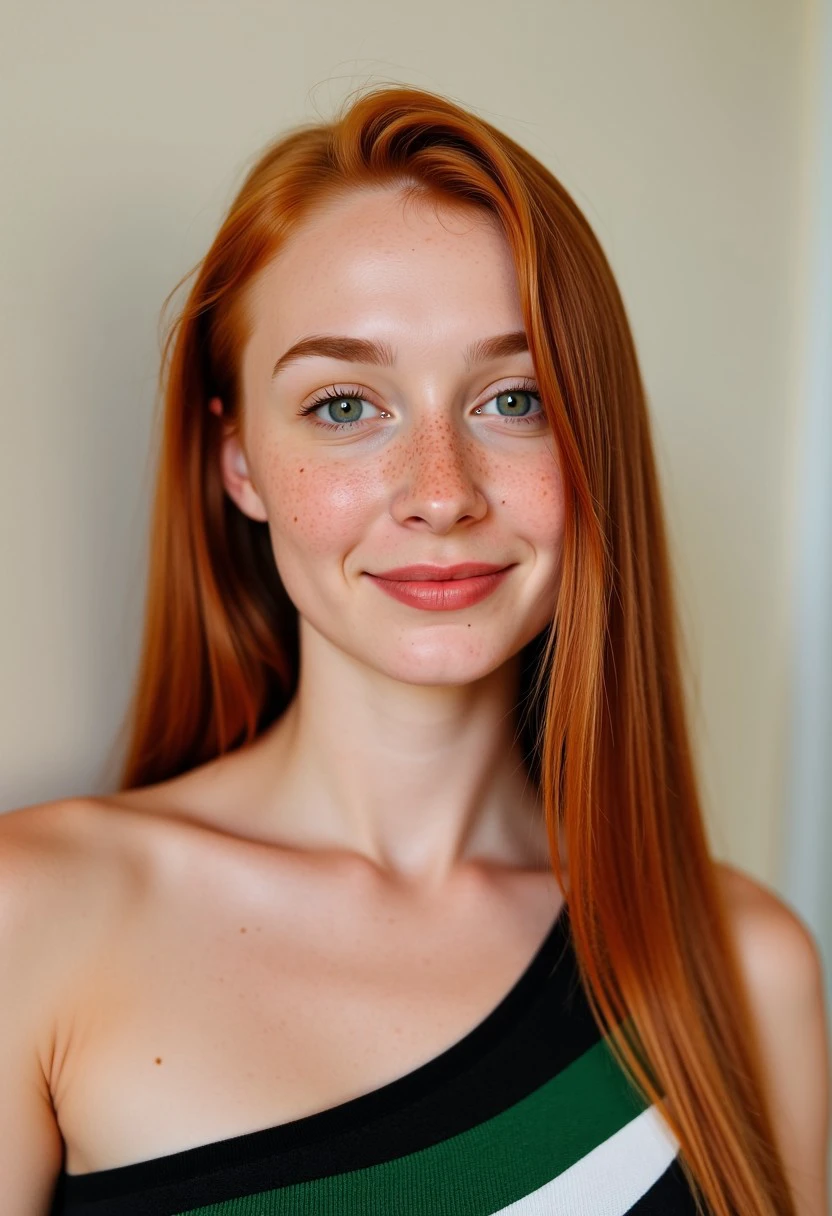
[480, 1170]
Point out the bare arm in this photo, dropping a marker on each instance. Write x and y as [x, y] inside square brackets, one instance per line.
[784, 979]
[30, 1142]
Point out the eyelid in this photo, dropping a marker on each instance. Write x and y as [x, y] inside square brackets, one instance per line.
[323, 395]
[523, 384]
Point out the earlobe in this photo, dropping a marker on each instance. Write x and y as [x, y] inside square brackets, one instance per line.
[237, 478]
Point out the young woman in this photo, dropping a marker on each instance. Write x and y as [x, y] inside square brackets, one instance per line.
[405, 902]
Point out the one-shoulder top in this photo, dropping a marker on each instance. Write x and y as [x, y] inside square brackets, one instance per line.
[527, 1115]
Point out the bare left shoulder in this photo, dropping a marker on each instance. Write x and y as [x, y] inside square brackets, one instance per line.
[783, 974]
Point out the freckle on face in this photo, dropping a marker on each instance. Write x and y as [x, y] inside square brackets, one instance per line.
[358, 271]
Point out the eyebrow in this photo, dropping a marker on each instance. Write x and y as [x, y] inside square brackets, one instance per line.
[364, 350]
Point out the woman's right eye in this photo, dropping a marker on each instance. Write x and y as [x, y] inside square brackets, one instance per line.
[343, 410]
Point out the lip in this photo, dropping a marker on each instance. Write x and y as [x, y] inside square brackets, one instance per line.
[442, 594]
[428, 573]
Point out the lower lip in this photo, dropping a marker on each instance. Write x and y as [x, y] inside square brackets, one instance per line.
[444, 594]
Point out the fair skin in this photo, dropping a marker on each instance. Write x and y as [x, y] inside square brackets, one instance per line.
[371, 875]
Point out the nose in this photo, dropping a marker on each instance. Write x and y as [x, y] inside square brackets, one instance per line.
[441, 479]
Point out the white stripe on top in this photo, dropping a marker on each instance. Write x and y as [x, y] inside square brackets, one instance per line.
[612, 1177]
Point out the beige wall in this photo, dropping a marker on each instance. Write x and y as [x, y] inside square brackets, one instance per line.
[128, 125]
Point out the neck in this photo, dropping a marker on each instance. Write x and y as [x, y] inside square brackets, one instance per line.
[419, 780]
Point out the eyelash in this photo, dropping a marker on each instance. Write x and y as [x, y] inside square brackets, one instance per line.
[337, 392]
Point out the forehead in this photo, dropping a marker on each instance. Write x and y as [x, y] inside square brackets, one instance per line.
[377, 261]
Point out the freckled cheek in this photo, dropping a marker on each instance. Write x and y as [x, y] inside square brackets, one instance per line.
[326, 507]
[317, 508]
[531, 499]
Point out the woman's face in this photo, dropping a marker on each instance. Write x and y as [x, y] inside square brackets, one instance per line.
[425, 456]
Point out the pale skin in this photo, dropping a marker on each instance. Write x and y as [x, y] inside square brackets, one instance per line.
[306, 919]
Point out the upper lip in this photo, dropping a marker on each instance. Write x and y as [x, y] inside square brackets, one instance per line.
[428, 573]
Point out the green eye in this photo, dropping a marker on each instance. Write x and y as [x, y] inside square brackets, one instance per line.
[344, 407]
[515, 404]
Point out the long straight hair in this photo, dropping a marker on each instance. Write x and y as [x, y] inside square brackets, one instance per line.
[603, 716]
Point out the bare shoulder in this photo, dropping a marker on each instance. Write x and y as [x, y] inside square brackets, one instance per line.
[55, 846]
[90, 854]
[784, 979]
[777, 949]
[64, 868]
[68, 870]
[72, 870]
[72, 873]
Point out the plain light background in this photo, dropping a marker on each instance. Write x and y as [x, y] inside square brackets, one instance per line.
[682, 130]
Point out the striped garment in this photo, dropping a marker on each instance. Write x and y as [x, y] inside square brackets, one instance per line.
[527, 1115]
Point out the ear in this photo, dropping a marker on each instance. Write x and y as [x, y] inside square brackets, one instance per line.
[236, 476]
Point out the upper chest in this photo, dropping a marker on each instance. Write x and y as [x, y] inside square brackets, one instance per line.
[242, 990]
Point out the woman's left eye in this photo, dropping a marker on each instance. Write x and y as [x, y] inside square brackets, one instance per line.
[515, 405]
